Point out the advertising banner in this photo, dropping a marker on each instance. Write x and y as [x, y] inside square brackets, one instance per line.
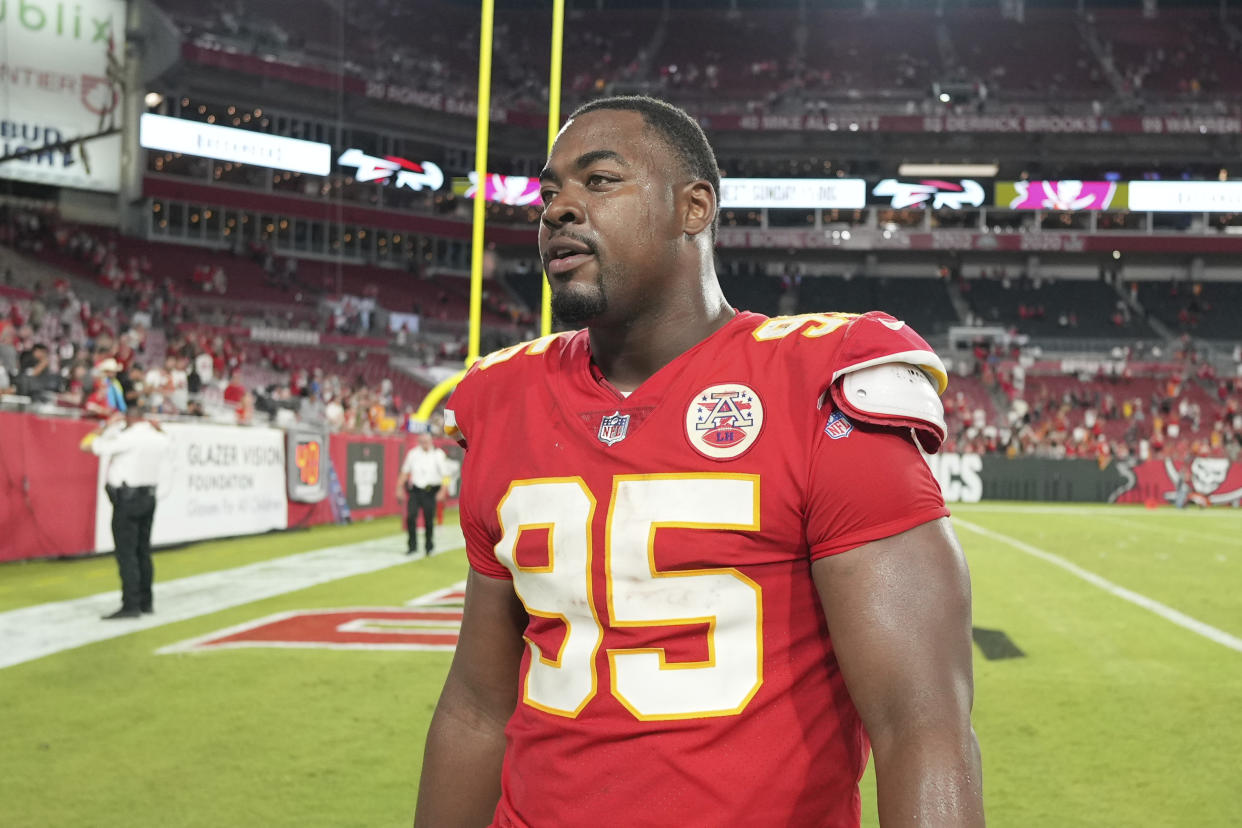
[217, 481]
[1067, 196]
[960, 476]
[793, 193]
[365, 484]
[1186, 196]
[306, 452]
[244, 146]
[518, 190]
[393, 171]
[1203, 481]
[864, 239]
[1028, 124]
[936, 193]
[57, 58]
[285, 336]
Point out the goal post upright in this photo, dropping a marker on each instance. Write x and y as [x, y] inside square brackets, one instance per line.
[482, 129]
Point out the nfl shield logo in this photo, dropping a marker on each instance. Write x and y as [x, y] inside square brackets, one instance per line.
[613, 428]
[838, 426]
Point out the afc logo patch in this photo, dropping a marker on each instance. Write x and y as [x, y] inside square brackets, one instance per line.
[613, 428]
[723, 421]
[838, 426]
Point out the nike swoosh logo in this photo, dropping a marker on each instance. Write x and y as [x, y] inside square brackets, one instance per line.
[893, 326]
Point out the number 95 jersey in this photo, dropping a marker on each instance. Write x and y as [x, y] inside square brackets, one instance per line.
[679, 670]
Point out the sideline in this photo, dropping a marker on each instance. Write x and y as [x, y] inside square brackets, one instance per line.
[1114, 509]
[1166, 612]
[33, 632]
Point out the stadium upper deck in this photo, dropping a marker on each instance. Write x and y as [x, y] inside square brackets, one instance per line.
[765, 57]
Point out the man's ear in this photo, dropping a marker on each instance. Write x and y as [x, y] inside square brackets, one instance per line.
[700, 207]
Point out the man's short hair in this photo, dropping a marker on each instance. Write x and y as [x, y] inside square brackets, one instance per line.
[680, 132]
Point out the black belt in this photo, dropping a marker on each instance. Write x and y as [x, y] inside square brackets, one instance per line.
[131, 491]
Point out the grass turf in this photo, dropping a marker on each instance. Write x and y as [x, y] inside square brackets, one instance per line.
[1115, 717]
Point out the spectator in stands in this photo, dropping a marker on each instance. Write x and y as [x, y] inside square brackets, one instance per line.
[108, 398]
[235, 391]
[8, 350]
[133, 384]
[38, 380]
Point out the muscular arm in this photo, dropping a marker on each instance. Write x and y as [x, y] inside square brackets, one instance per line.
[460, 784]
[898, 610]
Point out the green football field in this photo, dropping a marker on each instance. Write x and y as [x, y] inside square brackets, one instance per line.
[1123, 708]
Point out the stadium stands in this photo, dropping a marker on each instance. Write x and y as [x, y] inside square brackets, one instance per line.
[746, 60]
[922, 302]
[1060, 307]
[1044, 55]
[1204, 309]
[1179, 56]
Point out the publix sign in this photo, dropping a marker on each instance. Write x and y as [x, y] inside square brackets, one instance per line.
[62, 19]
[56, 57]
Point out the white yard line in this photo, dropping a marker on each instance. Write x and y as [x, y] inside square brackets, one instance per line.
[1128, 510]
[34, 632]
[1166, 612]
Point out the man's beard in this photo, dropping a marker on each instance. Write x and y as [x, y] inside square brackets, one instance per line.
[576, 305]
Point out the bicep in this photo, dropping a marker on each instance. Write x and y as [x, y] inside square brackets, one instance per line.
[484, 673]
[898, 612]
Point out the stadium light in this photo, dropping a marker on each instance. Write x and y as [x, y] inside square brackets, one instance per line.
[945, 97]
[932, 170]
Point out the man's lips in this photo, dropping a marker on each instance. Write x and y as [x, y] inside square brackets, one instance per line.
[564, 264]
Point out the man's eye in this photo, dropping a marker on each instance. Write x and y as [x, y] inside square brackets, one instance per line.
[546, 195]
[596, 180]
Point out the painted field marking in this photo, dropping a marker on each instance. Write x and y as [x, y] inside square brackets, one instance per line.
[428, 622]
[1181, 619]
[44, 629]
[1113, 510]
[1179, 531]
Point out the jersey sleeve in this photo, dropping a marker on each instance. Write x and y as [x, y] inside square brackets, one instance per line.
[480, 533]
[458, 410]
[867, 482]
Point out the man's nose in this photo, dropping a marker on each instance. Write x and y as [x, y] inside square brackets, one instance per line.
[562, 209]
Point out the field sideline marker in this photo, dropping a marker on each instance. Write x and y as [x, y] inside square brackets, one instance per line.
[1167, 613]
[41, 630]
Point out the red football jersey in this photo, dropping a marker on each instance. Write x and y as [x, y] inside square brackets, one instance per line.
[679, 669]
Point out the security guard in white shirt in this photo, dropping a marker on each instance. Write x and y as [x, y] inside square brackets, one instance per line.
[135, 453]
[424, 476]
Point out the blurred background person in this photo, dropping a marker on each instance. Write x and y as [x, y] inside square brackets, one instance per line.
[135, 450]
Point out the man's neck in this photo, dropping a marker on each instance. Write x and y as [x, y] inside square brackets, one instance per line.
[628, 355]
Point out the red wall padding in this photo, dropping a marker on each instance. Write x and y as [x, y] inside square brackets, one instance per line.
[47, 487]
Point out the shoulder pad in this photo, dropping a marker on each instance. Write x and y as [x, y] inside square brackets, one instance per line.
[885, 373]
[876, 338]
[894, 394]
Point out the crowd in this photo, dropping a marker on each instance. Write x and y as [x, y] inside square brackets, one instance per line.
[58, 352]
[1099, 415]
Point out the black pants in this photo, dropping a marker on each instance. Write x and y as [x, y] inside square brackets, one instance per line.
[133, 510]
[421, 500]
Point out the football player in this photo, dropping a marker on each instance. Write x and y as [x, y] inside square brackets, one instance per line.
[710, 569]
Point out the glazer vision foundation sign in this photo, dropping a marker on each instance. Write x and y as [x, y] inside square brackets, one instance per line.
[54, 56]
